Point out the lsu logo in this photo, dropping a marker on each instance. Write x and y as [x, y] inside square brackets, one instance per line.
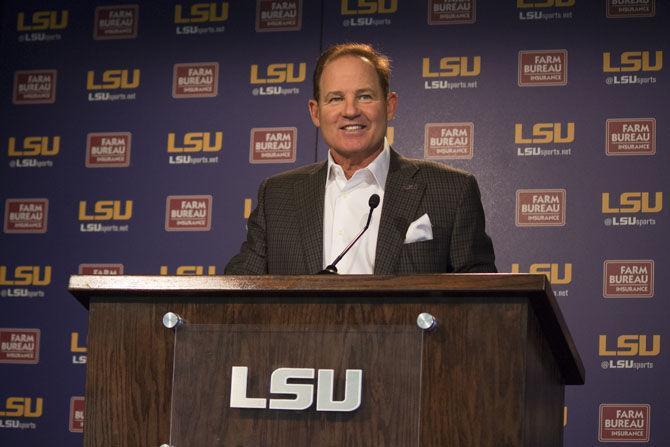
[106, 210]
[202, 13]
[551, 270]
[542, 133]
[632, 61]
[42, 21]
[34, 146]
[278, 73]
[23, 407]
[354, 7]
[195, 142]
[630, 346]
[26, 275]
[452, 66]
[545, 4]
[113, 80]
[78, 350]
[190, 270]
[633, 202]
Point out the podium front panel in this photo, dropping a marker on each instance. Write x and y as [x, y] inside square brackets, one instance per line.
[249, 386]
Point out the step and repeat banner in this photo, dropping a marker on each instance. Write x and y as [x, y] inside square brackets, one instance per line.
[134, 136]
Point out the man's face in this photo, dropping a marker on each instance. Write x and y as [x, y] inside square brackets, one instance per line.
[352, 111]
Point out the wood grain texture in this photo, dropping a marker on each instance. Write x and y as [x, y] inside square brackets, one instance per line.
[480, 384]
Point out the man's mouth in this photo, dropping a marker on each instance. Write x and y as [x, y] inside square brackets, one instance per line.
[352, 127]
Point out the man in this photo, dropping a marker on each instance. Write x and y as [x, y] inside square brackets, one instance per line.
[429, 220]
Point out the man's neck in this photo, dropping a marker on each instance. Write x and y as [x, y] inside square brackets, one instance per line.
[353, 164]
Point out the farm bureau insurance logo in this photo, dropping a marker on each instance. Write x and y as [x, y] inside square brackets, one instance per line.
[26, 215]
[108, 86]
[273, 145]
[23, 151]
[33, 278]
[19, 408]
[77, 407]
[540, 207]
[543, 68]
[116, 22]
[537, 10]
[628, 279]
[188, 213]
[34, 87]
[623, 422]
[630, 136]
[367, 13]
[196, 80]
[278, 15]
[622, 9]
[459, 71]
[638, 346]
[448, 141]
[451, 12]
[627, 67]
[100, 269]
[201, 18]
[541, 135]
[559, 274]
[108, 149]
[194, 148]
[265, 76]
[94, 215]
[631, 208]
[20, 346]
[40, 26]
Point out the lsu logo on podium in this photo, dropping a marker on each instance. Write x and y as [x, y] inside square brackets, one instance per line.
[633, 61]
[451, 66]
[21, 346]
[23, 407]
[34, 146]
[105, 210]
[42, 21]
[278, 73]
[545, 133]
[193, 142]
[557, 273]
[113, 80]
[212, 12]
[358, 7]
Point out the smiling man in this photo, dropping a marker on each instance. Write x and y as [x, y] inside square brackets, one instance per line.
[429, 219]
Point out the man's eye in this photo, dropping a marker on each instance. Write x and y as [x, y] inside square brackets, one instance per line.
[335, 99]
[365, 97]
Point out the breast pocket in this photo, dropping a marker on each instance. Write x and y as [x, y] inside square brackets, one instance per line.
[425, 256]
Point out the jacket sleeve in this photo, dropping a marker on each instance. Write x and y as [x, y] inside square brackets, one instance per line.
[252, 258]
[471, 249]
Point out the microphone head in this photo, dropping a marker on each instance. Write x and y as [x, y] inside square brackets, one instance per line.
[374, 201]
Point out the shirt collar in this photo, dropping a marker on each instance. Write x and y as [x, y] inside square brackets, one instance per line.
[379, 167]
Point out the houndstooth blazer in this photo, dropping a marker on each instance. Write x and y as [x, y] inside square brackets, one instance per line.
[285, 231]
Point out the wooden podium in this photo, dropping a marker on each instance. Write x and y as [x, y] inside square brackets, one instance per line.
[492, 373]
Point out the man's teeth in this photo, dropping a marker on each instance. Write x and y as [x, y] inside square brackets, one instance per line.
[353, 127]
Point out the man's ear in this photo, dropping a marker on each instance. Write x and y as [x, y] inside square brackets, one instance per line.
[314, 112]
[391, 105]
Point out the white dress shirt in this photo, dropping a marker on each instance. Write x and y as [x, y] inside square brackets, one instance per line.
[346, 210]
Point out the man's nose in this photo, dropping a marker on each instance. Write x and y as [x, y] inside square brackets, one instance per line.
[350, 107]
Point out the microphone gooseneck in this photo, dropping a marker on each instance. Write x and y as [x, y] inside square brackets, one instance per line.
[373, 203]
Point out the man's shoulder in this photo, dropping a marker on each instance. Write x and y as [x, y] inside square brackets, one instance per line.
[432, 169]
[295, 174]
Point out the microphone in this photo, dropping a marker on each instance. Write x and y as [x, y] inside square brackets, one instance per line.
[373, 203]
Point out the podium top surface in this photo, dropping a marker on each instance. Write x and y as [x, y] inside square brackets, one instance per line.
[535, 287]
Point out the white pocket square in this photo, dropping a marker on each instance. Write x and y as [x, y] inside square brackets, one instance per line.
[419, 230]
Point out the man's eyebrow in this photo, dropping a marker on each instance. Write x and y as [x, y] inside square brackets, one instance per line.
[334, 93]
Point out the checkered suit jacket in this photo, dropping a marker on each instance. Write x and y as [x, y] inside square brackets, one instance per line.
[285, 231]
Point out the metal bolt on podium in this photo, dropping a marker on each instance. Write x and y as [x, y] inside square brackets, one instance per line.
[172, 320]
[426, 321]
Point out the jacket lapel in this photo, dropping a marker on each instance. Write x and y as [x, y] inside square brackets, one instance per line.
[402, 196]
[308, 195]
